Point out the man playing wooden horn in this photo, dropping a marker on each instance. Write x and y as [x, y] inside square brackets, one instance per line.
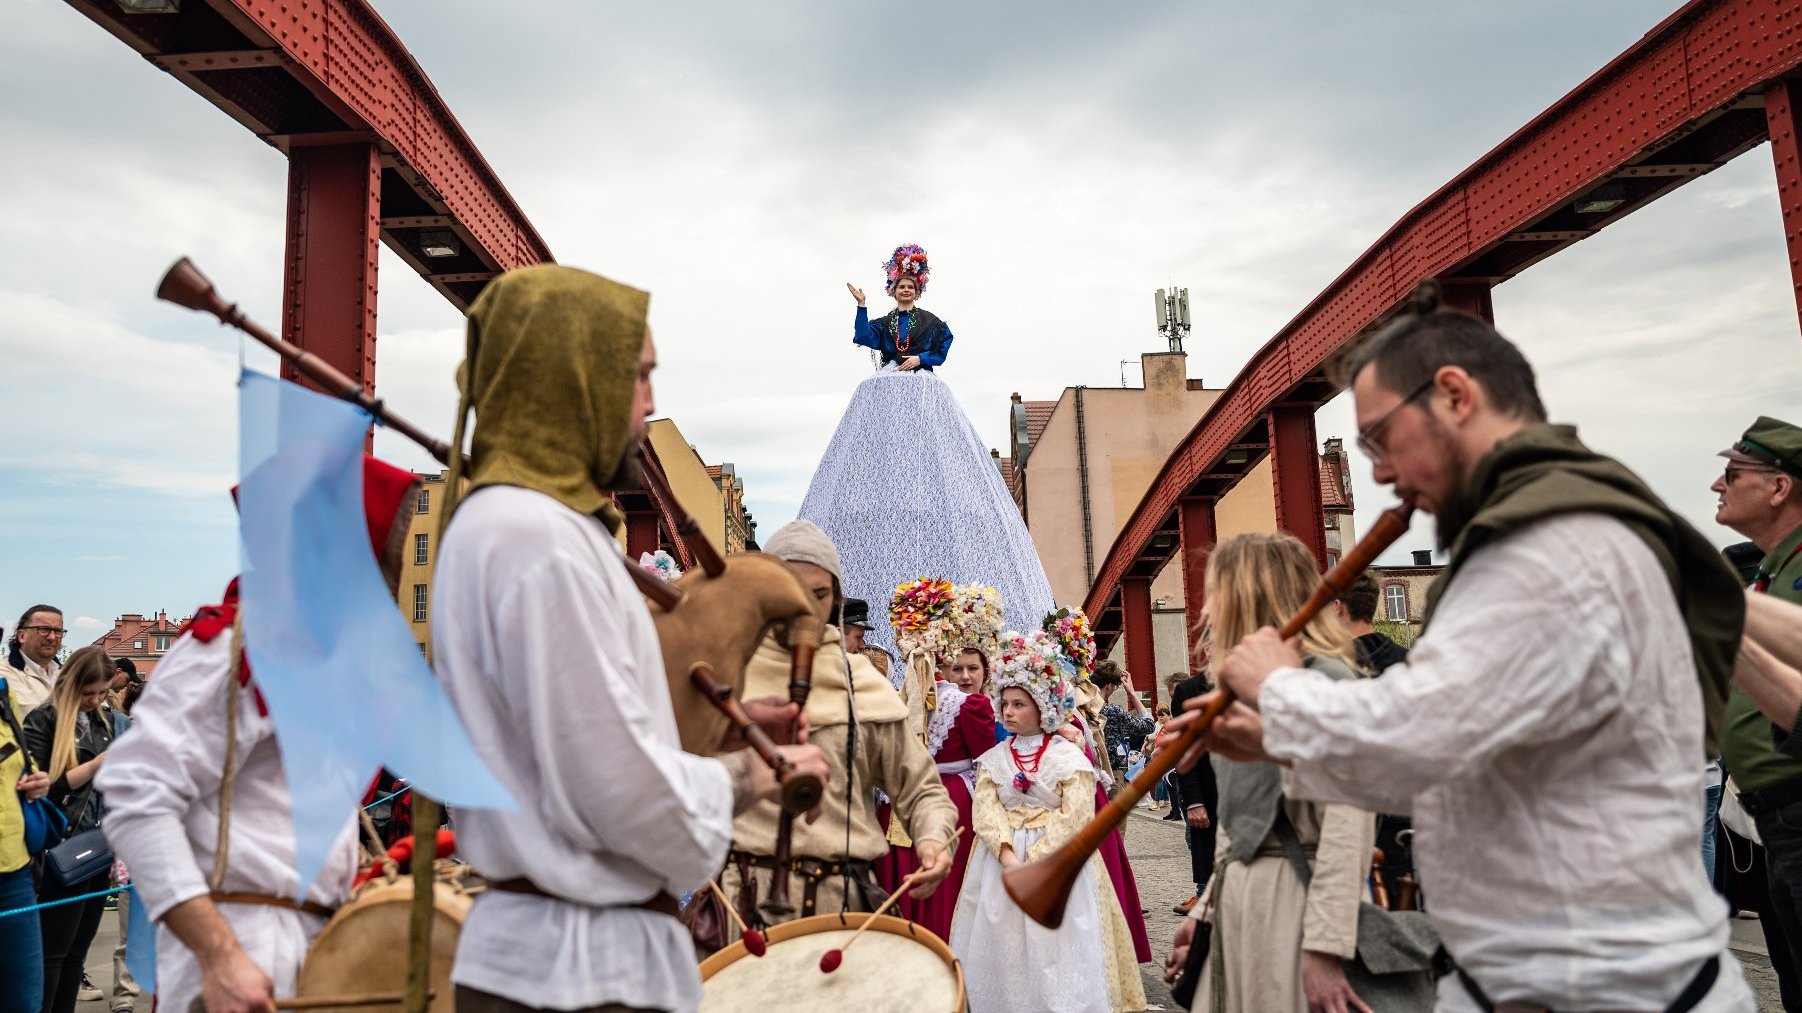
[858, 719]
[550, 656]
[237, 943]
[1547, 732]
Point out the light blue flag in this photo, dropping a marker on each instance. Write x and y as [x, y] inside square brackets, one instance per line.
[140, 943]
[347, 688]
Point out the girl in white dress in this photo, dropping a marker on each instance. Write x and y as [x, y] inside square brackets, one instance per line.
[1033, 792]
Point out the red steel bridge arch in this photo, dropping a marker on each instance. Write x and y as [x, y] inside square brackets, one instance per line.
[374, 156]
[1707, 84]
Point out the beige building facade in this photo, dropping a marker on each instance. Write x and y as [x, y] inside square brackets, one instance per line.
[1078, 467]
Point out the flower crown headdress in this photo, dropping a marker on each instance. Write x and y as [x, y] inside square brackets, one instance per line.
[974, 622]
[918, 611]
[907, 261]
[1069, 627]
[1033, 662]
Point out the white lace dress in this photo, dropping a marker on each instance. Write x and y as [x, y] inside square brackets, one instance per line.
[1011, 962]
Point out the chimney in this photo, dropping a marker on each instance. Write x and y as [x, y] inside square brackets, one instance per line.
[1423, 557]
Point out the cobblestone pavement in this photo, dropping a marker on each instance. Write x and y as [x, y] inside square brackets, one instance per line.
[1160, 860]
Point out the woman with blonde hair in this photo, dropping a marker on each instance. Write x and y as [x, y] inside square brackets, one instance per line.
[1279, 935]
[68, 736]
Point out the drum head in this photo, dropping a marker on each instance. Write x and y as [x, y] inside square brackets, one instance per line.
[896, 967]
[363, 949]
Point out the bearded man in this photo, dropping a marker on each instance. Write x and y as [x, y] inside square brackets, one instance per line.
[549, 654]
[1561, 702]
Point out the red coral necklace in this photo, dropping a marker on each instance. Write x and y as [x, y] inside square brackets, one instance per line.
[1023, 776]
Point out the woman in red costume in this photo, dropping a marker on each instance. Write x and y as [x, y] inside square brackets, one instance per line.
[958, 628]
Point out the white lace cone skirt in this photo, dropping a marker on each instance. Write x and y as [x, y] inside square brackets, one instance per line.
[907, 490]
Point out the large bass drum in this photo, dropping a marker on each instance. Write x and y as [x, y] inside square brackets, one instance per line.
[896, 967]
[363, 949]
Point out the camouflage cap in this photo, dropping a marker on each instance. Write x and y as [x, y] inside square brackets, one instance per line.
[1771, 443]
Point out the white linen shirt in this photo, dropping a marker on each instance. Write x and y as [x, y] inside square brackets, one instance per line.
[548, 651]
[161, 782]
[1546, 733]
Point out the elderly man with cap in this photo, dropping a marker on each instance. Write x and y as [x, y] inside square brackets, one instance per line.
[1760, 496]
[549, 654]
[859, 720]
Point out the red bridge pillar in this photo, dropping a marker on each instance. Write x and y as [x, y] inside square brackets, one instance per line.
[334, 225]
[1783, 114]
[643, 533]
[1295, 473]
[1195, 518]
[1141, 648]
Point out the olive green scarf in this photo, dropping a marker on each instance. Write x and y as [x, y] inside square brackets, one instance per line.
[550, 365]
[1544, 471]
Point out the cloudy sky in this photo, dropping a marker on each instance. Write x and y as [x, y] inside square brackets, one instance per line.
[743, 161]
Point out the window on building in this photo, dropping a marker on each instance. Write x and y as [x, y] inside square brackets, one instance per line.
[425, 501]
[137, 645]
[419, 548]
[1395, 603]
[161, 641]
[1332, 560]
[419, 612]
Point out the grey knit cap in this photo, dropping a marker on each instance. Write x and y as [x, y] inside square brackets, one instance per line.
[804, 542]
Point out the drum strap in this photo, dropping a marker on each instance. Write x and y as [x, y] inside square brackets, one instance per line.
[266, 900]
[662, 903]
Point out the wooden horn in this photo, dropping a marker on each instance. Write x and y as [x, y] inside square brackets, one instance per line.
[1042, 887]
[184, 285]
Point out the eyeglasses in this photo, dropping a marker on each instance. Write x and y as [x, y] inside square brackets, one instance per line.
[48, 631]
[1734, 471]
[1367, 440]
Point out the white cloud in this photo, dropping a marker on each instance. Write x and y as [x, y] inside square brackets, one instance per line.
[89, 623]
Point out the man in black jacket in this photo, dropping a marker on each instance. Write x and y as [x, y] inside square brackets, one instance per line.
[1197, 797]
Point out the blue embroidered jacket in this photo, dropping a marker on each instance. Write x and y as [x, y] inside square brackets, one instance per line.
[899, 335]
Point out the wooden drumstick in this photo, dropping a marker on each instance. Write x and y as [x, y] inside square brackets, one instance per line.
[830, 960]
[754, 942]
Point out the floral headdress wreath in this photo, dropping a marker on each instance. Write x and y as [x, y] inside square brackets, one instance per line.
[1033, 662]
[1069, 626]
[920, 612]
[974, 622]
[910, 262]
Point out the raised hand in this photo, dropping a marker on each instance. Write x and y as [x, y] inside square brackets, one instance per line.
[856, 293]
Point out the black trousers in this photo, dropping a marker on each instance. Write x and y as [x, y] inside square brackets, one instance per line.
[68, 930]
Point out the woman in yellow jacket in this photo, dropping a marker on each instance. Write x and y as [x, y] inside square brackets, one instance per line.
[21, 946]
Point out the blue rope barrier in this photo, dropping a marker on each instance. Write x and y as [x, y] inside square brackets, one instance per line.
[66, 900]
[122, 889]
[385, 798]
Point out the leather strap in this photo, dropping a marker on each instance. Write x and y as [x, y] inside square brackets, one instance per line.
[1687, 1000]
[662, 902]
[268, 900]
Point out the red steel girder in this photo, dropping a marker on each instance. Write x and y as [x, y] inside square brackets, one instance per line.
[334, 207]
[1685, 98]
[1783, 112]
[1141, 643]
[1195, 520]
[307, 72]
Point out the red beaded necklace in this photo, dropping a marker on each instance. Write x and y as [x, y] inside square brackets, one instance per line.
[903, 344]
[1023, 778]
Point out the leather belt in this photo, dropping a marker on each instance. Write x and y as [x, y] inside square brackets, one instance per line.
[1766, 799]
[813, 871]
[662, 902]
[269, 900]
